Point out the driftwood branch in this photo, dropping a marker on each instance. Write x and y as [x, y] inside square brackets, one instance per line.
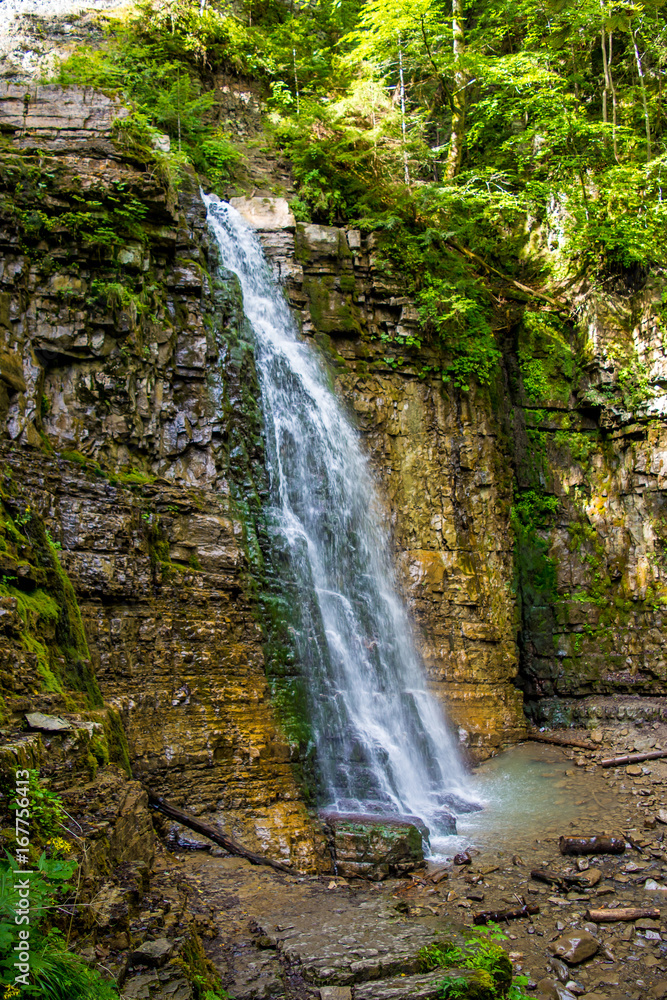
[632, 758]
[562, 881]
[591, 845]
[557, 741]
[218, 838]
[622, 913]
[550, 878]
[495, 916]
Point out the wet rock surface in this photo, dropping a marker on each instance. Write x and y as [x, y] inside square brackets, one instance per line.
[374, 847]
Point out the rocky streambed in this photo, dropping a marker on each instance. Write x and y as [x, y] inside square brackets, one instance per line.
[272, 935]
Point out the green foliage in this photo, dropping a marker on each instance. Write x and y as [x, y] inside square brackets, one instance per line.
[635, 386]
[459, 316]
[200, 971]
[116, 740]
[157, 59]
[534, 510]
[546, 359]
[631, 390]
[135, 477]
[531, 516]
[480, 953]
[55, 973]
[102, 220]
[46, 809]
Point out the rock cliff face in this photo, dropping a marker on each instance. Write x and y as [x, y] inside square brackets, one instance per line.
[131, 431]
[441, 460]
[528, 518]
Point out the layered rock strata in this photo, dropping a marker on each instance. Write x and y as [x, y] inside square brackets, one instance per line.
[131, 430]
[528, 518]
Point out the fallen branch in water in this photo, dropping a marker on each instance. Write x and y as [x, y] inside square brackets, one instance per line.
[632, 758]
[622, 913]
[218, 838]
[591, 845]
[558, 741]
[495, 916]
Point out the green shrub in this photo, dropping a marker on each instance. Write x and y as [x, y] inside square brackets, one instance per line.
[480, 953]
[55, 973]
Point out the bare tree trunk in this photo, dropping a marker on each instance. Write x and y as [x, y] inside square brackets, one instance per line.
[613, 97]
[574, 70]
[455, 153]
[215, 835]
[605, 67]
[642, 84]
[178, 109]
[296, 81]
[400, 71]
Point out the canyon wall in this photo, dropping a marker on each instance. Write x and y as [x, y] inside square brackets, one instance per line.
[131, 433]
[527, 516]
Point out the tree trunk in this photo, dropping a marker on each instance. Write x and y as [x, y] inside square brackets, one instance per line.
[625, 913]
[642, 84]
[296, 80]
[591, 845]
[632, 758]
[218, 838]
[605, 67]
[403, 130]
[455, 153]
[495, 916]
[613, 97]
[558, 741]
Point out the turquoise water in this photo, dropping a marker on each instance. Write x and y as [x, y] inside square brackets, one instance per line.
[530, 793]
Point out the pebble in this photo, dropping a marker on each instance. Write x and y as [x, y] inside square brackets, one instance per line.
[652, 886]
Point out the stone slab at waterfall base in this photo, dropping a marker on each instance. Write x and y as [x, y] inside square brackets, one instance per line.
[374, 847]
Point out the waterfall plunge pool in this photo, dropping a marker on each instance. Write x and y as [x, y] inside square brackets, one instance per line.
[530, 792]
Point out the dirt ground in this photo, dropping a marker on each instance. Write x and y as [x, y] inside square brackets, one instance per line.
[274, 935]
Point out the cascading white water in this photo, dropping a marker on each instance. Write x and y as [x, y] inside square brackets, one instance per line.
[381, 740]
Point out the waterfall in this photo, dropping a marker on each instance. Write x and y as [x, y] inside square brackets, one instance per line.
[381, 740]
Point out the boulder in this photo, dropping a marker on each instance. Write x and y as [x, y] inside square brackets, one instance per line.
[374, 847]
[153, 953]
[47, 723]
[575, 947]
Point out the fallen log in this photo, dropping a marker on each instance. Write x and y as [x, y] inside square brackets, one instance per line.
[218, 838]
[632, 758]
[562, 881]
[622, 913]
[591, 845]
[557, 741]
[495, 916]
[550, 878]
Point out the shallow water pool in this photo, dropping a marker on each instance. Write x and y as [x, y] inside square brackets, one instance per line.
[529, 793]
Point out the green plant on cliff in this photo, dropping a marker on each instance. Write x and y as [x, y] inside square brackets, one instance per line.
[52, 626]
[46, 809]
